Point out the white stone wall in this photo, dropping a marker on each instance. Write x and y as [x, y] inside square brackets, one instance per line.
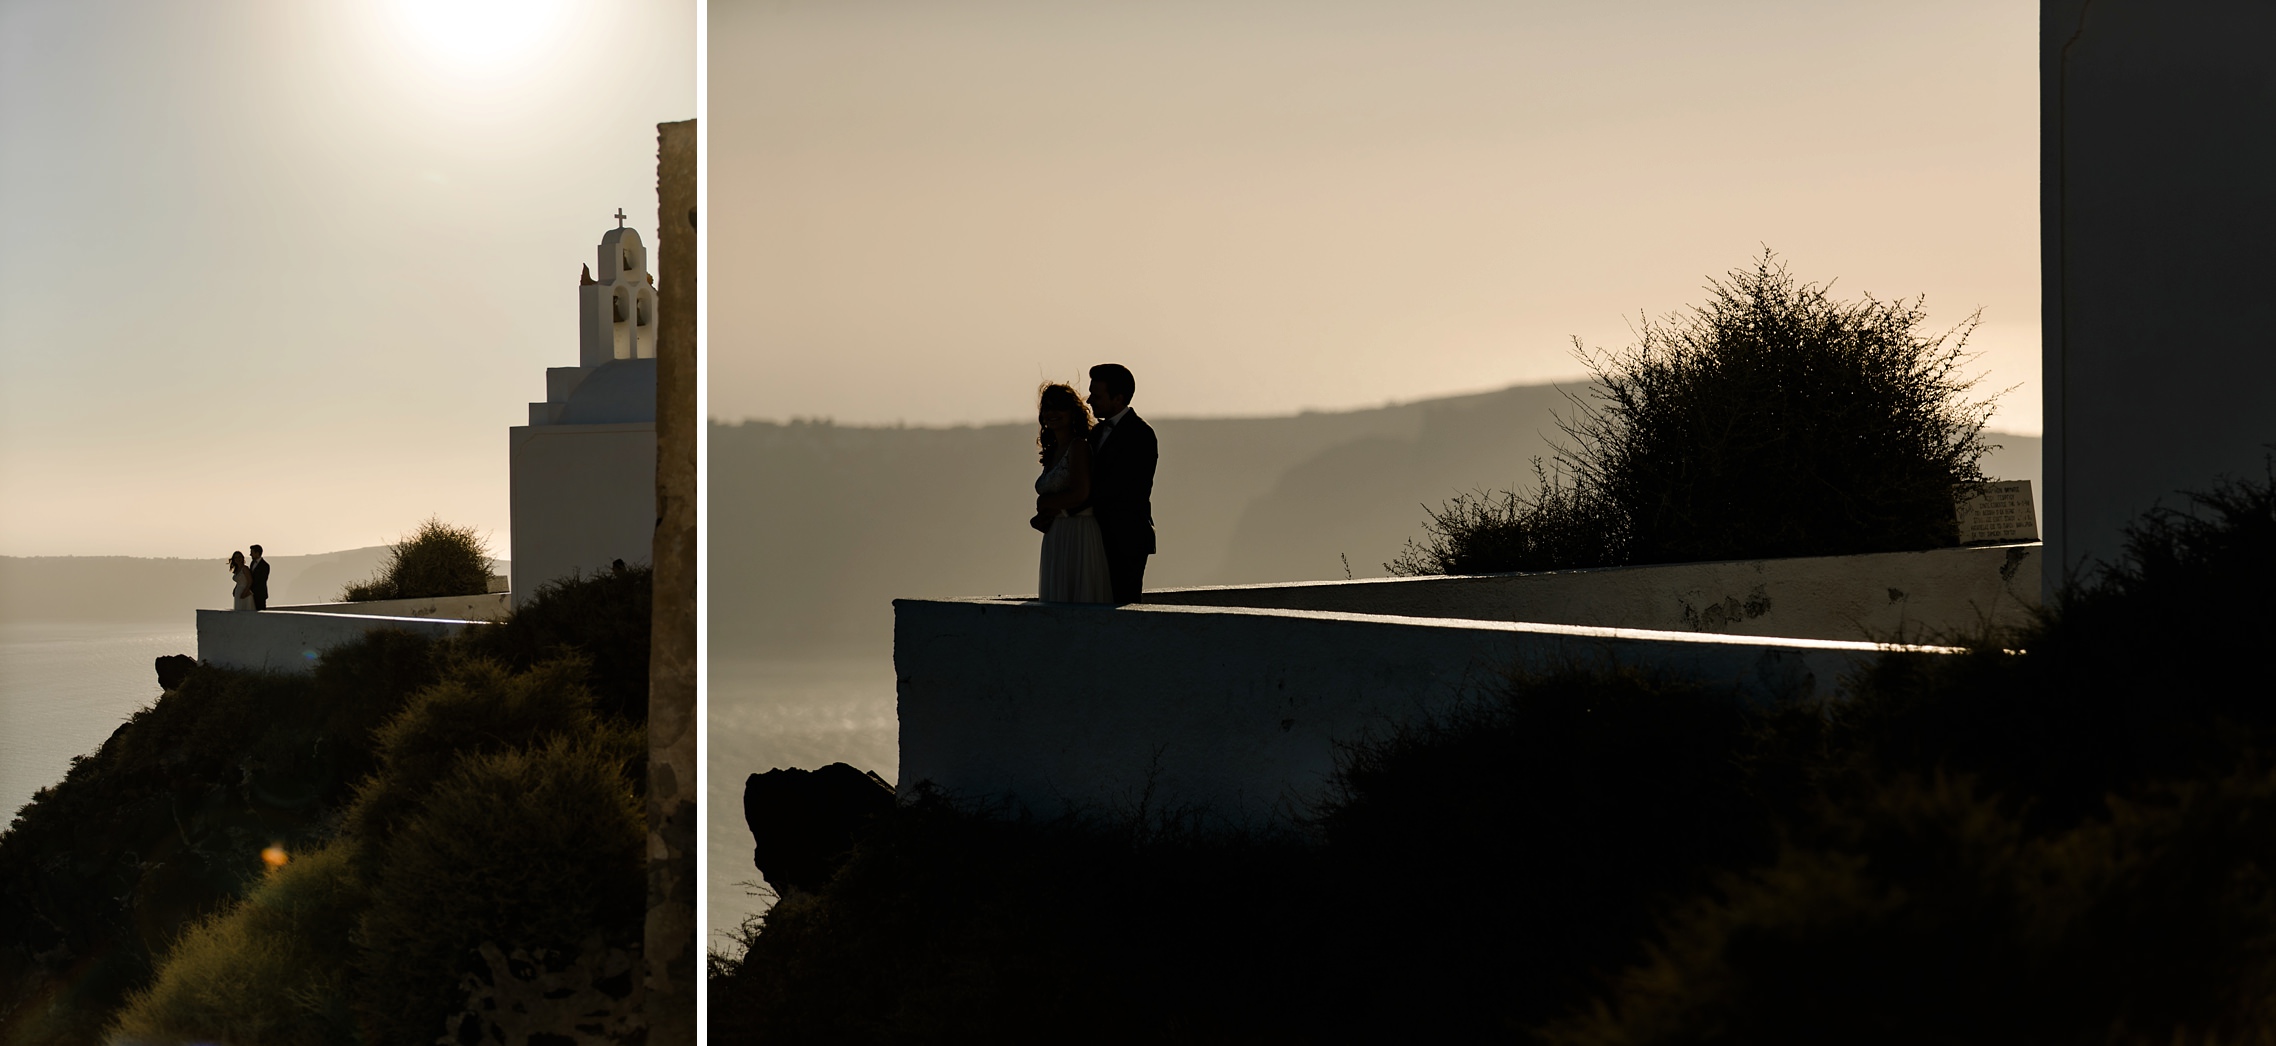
[291, 641]
[1931, 596]
[489, 607]
[583, 496]
[2157, 211]
[1051, 707]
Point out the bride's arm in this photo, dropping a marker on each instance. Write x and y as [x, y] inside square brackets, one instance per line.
[1078, 482]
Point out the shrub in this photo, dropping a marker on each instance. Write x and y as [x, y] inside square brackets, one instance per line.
[526, 857]
[163, 824]
[1486, 533]
[436, 559]
[1772, 421]
[141, 870]
[271, 970]
[1516, 848]
[506, 813]
[480, 708]
[2131, 679]
[1929, 914]
[2062, 844]
[604, 619]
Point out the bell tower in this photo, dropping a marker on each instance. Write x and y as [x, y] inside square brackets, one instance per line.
[584, 468]
[618, 310]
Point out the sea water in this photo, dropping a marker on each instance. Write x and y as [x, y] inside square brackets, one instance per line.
[64, 687]
[769, 712]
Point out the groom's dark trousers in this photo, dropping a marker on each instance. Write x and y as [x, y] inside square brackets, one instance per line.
[1122, 497]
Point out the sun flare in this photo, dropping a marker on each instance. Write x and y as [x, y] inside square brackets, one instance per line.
[480, 36]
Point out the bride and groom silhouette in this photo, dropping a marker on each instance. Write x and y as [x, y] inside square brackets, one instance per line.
[1094, 500]
[251, 581]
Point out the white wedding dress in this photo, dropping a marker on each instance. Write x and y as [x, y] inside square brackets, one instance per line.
[1074, 552]
[242, 595]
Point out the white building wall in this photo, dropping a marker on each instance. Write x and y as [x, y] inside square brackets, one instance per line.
[1241, 712]
[2158, 212]
[291, 641]
[583, 496]
[487, 607]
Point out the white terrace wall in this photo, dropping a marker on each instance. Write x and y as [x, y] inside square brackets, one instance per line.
[1883, 597]
[1239, 711]
[488, 607]
[292, 641]
[583, 496]
[2157, 195]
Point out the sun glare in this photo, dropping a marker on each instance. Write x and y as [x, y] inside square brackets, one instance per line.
[480, 37]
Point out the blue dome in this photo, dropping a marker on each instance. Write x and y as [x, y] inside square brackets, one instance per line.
[616, 391]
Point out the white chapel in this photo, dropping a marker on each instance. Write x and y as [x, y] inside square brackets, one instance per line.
[584, 468]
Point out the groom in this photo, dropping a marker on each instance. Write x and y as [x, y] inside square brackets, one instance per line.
[1122, 479]
[260, 580]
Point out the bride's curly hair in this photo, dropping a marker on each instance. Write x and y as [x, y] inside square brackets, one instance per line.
[1058, 395]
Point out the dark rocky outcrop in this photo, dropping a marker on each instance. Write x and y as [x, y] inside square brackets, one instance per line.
[803, 822]
[173, 669]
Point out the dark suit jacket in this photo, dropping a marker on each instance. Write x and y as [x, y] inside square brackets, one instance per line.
[1122, 486]
[261, 579]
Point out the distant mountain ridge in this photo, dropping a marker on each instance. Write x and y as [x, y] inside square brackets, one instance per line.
[814, 528]
[137, 589]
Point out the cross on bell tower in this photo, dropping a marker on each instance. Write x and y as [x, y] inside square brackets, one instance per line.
[620, 217]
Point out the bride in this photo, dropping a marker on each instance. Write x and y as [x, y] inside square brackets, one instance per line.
[1074, 554]
[243, 575]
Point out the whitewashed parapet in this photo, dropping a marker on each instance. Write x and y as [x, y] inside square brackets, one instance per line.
[1237, 710]
[1926, 596]
[487, 607]
[292, 641]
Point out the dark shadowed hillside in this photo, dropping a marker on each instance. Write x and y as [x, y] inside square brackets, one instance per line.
[815, 528]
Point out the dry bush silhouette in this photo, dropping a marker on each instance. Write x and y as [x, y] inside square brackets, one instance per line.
[437, 559]
[1774, 420]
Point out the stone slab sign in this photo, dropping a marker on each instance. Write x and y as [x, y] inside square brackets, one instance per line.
[2001, 514]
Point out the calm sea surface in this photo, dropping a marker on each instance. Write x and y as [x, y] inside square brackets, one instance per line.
[65, 687]
[778, 712]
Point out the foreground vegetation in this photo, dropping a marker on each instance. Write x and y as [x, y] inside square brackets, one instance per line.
[2062, 844]
[1774, 420]
[361, 855]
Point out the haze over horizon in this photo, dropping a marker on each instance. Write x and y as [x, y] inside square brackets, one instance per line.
[285, 273]
[919, 211]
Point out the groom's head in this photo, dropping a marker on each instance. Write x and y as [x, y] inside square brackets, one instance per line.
[256, 552]
[1111, 388]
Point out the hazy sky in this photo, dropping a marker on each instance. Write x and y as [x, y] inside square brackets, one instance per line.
[285, 272]
[918, 209]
